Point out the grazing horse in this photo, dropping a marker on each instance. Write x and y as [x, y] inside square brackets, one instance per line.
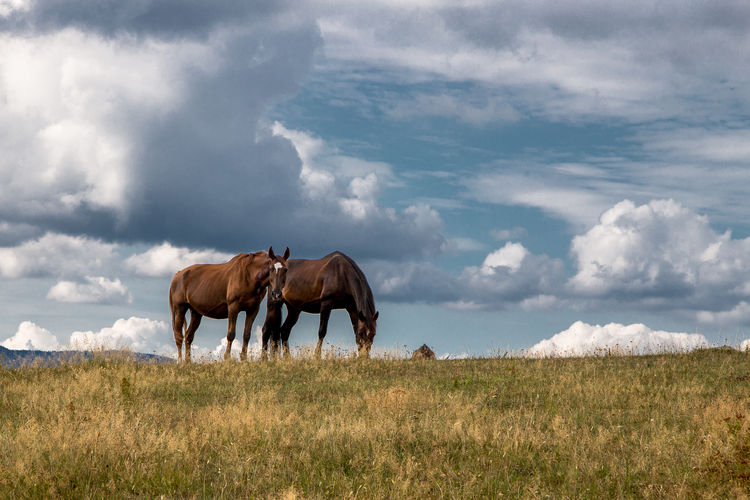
[317, 287]
[222, 291]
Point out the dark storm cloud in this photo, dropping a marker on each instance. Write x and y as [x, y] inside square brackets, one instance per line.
[212, 175]
[483, 287]
[191, 18]
[206, 178]
[181, 152]
[499, 25]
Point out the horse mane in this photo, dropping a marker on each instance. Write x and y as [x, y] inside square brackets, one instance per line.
[363, 295]
[243, 255]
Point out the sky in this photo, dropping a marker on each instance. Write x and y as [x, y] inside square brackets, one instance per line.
[509, 175]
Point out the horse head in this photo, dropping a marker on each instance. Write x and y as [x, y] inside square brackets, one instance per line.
[277, 274]
[366, 327]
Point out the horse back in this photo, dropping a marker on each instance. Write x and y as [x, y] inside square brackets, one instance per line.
[209, 288]
[309, 282]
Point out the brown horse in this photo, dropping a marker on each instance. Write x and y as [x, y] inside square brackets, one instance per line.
[273, 306]
[222, 291]
[317, 287]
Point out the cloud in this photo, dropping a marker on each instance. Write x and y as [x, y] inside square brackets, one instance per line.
[31, 337]
[509, 234]
[511, 275]
[139, 334]
[117, 119]
[563, 60]
[97, 290]
[216, 353]
[340, 199]
[508, 276]
[511, 256]
[411, 282]
[659, 256]
[57, 255]
[738, 315]
[455, 246]
[103, 130]
[662, 251]
[477, 111]
[582, 339]
[559, 192]
[162, 19]
[662, 80]
[71, 102]
[165, 260]
[578, 192]
[542, 302]
[692, 144]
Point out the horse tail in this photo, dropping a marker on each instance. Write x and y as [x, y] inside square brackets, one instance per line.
[171, 310]
[171, 307]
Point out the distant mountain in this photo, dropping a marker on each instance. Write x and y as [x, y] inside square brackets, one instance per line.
[12, 358]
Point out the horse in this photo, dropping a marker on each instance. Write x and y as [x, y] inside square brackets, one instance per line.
[272, 324]
[222, 291]
[317, 287]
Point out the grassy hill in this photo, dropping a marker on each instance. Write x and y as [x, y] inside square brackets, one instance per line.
[667, 426]
[20, 358]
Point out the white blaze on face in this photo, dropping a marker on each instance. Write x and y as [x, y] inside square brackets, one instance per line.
[278, 266]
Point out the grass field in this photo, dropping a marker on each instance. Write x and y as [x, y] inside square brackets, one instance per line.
[665, 426]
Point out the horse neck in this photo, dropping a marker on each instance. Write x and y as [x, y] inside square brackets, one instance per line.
[361, 291]
[251, 264]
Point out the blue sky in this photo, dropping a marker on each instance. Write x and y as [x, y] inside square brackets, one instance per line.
[503, 172]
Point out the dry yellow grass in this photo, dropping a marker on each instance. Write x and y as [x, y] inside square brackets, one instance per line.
[668, 426]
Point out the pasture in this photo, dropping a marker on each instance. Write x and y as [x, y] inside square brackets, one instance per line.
[659, 426]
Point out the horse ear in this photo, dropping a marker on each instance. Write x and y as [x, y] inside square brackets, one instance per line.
[375, 317]
[286, 253]
[270, 252]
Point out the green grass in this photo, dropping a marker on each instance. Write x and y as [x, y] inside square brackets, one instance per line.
[666, 426]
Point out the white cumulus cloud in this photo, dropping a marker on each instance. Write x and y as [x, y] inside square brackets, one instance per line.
[69, 95]
[31, 337]
[510, 256]
[343, 192]
[139, 334]
[216, 353]
[327, 175]
[660, 249]
[97, 290]
[165, 260]
[57, 255]
[509, 275]
[739, 314]
[582, 339]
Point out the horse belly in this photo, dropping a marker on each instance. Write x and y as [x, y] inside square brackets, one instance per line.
[219, 311]
[311, 308]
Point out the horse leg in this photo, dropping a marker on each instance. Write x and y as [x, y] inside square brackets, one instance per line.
[325, 313]
[231, 327]
[266, 334]
[195, 321]
[178, 326]
[276, 333]
[271, 329]
[249, 318]
[292, 315]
